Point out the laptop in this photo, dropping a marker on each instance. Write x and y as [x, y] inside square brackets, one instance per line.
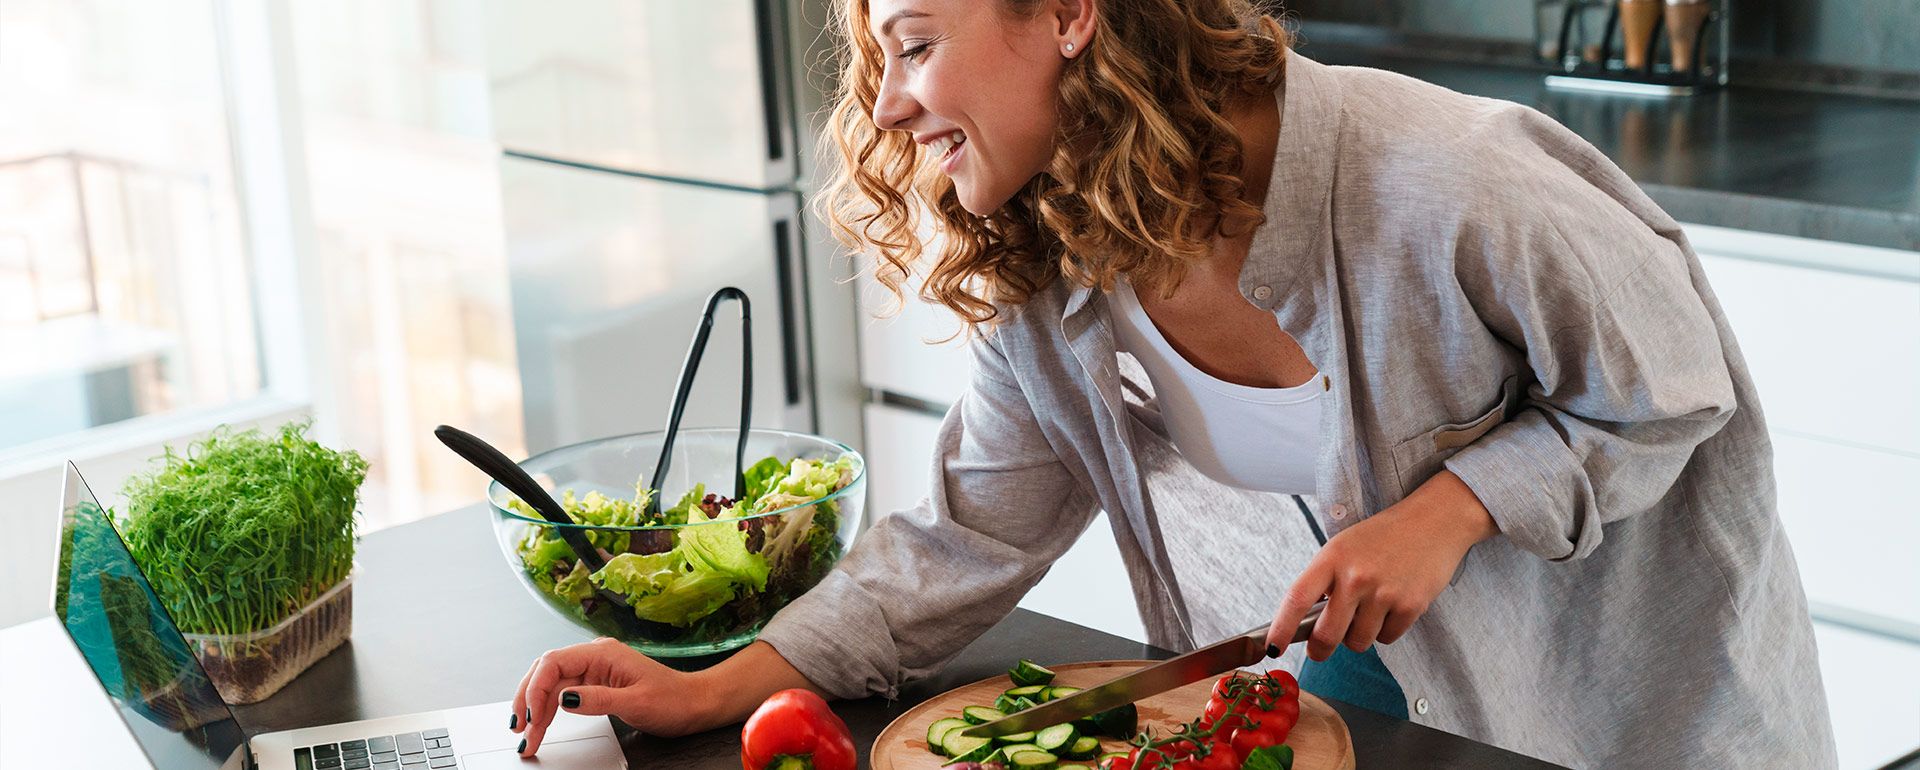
[179, 719]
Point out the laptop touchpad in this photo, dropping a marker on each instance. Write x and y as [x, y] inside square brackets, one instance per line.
[596, 753]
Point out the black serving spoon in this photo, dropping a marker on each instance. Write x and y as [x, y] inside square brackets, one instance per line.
[494, 463]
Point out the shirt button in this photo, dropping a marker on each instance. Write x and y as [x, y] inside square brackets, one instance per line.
[1262, 293]
[1420, 706]
[1339, 512]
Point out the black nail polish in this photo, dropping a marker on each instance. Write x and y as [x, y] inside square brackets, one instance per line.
[570, 700]
[513, 722]
[529, 715]
[523, 747]
[1273, 651]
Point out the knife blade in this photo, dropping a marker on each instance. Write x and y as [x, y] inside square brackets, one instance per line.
[1234, 652]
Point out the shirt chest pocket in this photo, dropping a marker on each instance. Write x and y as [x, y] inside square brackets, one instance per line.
[1419, 458]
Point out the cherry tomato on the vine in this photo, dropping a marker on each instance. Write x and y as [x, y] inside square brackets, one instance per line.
[1216, 714]
[1290, 687]
[1221, 687]
[1220, 756]
[1287, 711]
[1267, 732]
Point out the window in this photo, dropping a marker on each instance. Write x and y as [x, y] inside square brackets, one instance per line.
[242, 212]
[124, 287]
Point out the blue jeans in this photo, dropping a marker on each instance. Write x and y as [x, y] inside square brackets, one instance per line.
[1358, 678]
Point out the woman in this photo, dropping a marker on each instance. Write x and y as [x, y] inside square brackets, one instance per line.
[1495, 364]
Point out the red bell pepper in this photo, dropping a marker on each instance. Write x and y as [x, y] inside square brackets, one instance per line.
[794, 730]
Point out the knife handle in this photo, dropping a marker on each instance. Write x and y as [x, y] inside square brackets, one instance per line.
[1301, 634]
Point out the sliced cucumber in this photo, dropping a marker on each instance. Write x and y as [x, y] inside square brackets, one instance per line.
[1028, 673]
[954, 730]
[981, 715]
[1060, 692]
[1030, 692]
[1012, 705]
[1034, 760]
[1084, 747]
[966, 748]
[1009, 751]
[1053, 739]
[1120, 722]
[937, 733]
[1015, 703]
[1014, 739]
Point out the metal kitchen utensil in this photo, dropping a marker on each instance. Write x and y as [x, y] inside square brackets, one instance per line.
[1242, 650]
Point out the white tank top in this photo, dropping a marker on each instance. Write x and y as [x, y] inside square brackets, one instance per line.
[1263, 439]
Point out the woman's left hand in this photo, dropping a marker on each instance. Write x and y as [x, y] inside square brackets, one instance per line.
[1379, 575]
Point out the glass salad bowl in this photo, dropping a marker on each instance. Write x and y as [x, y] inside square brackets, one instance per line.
[704, 573]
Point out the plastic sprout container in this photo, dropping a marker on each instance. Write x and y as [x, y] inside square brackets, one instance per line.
[708, 583]
[249, 668]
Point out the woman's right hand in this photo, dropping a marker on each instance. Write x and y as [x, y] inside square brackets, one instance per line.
[608, 678]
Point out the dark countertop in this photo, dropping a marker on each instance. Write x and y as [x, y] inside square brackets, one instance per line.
[1825, 166]
[438, 590]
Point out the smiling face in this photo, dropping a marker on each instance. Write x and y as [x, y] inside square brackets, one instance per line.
[976, 86]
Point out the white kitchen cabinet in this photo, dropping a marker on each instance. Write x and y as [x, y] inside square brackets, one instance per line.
[1834, 354]
[1873, 694]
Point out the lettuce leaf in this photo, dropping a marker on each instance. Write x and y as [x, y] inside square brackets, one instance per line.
[575, 585]
[667, 587]
[762, 476]
[688, 502]
[722, 548]
[545, 551]
[594, 509]
[710, 564]
[813, 480]
[636, 575]
[690, 596]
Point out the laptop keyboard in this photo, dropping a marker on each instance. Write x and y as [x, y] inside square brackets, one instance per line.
[424, 750]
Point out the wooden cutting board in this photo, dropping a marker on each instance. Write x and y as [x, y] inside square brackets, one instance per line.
[1320, 741]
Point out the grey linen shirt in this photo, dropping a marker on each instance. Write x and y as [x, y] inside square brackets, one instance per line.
[1486, 293]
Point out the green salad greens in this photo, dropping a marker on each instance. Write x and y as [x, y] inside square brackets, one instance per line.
[698, 574]
[245, 527]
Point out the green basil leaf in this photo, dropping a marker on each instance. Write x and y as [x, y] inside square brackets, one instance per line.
[1269, 758]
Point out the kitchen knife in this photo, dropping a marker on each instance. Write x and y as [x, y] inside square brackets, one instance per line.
[1242, 650]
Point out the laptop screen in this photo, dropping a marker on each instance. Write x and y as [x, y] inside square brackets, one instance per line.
[126, 636]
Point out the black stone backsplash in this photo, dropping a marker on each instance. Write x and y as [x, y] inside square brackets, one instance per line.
[1869, 46]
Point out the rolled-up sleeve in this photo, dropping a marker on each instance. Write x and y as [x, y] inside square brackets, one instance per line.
[1628, 370]
[924, 582]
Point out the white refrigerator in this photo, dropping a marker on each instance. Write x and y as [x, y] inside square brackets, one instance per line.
[650, 156]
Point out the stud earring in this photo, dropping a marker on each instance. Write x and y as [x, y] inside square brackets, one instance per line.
[1069, 48]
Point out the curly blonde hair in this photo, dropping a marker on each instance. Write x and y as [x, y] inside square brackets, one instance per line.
[1163, 180]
